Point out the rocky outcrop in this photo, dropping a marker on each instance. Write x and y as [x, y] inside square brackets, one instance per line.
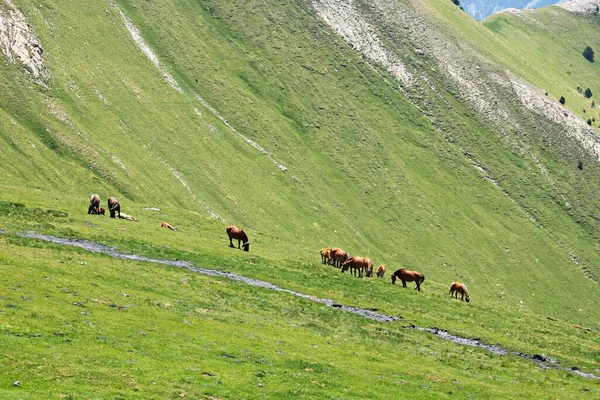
[345, 19]
[19, 43]
[581, 6]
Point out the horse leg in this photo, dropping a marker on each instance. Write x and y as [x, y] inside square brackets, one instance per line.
[403, 283]
[418, 286]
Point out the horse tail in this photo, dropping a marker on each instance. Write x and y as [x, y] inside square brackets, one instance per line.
[422, 279]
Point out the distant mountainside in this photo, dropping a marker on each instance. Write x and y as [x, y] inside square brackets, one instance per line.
[481, 9]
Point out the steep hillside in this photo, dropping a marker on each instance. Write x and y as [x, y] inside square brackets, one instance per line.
[403, 131]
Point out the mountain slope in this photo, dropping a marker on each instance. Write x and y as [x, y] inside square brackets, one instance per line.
[394, 131]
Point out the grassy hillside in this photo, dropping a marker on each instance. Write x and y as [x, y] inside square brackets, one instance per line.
[277, 125]
[555, 62]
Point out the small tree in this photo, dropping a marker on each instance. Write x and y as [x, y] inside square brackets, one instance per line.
[562, 100]
[587, 93]
[589, 122]
[588, 53]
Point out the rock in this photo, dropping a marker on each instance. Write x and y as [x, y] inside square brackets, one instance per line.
[17, 383]
[19, 43]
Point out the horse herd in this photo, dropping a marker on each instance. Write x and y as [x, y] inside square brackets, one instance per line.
[360, 266]
[337, 257]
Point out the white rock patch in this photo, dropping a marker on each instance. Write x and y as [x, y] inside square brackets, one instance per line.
[348, 22]
[19, 43]
[580, 6]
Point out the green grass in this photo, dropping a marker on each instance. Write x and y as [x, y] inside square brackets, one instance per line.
[366, 172]
[77, 325]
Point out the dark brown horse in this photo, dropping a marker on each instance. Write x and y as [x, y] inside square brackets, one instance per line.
[94, 204]
[114, 207]
[408, 276]
[457, 288]
[236, 233]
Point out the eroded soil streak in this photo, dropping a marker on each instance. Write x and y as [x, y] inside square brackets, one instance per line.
[542, 361]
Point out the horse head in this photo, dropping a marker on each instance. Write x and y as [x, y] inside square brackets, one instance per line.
[246, 246]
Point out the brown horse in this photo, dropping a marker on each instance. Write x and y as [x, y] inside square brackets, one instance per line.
[408, 276]
[338, 257]
[357, 265]
[325, 255]
[380, 271]
[236, 233]
[457, 288]
[94, 204]
[101, 211]
[114, 206]
[166, 225]
[369, 268]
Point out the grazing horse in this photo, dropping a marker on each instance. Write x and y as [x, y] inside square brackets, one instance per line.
[369, 268]
[338, 256]
[114, 206]
[94, 204]
[457, 288]
[408, 276]
[236, 233]
[325, 255]
[357, 264]
[380, 271]
[166, 225]
[101, 211]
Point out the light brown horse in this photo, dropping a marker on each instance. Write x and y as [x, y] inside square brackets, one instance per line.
[94, 204]
[166, 225]
[357, 265]
[236, 233]
[325, 255]
[380, 271]
[457, 288]
[369, 268]
[338, 257]
[114, 207]
[408, 276]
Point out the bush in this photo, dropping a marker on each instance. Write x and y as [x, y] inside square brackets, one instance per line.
[588, 53]
[562, 100]
[589, 122]
[587, 93]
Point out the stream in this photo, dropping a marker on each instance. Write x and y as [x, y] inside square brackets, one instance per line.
[541, 360]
